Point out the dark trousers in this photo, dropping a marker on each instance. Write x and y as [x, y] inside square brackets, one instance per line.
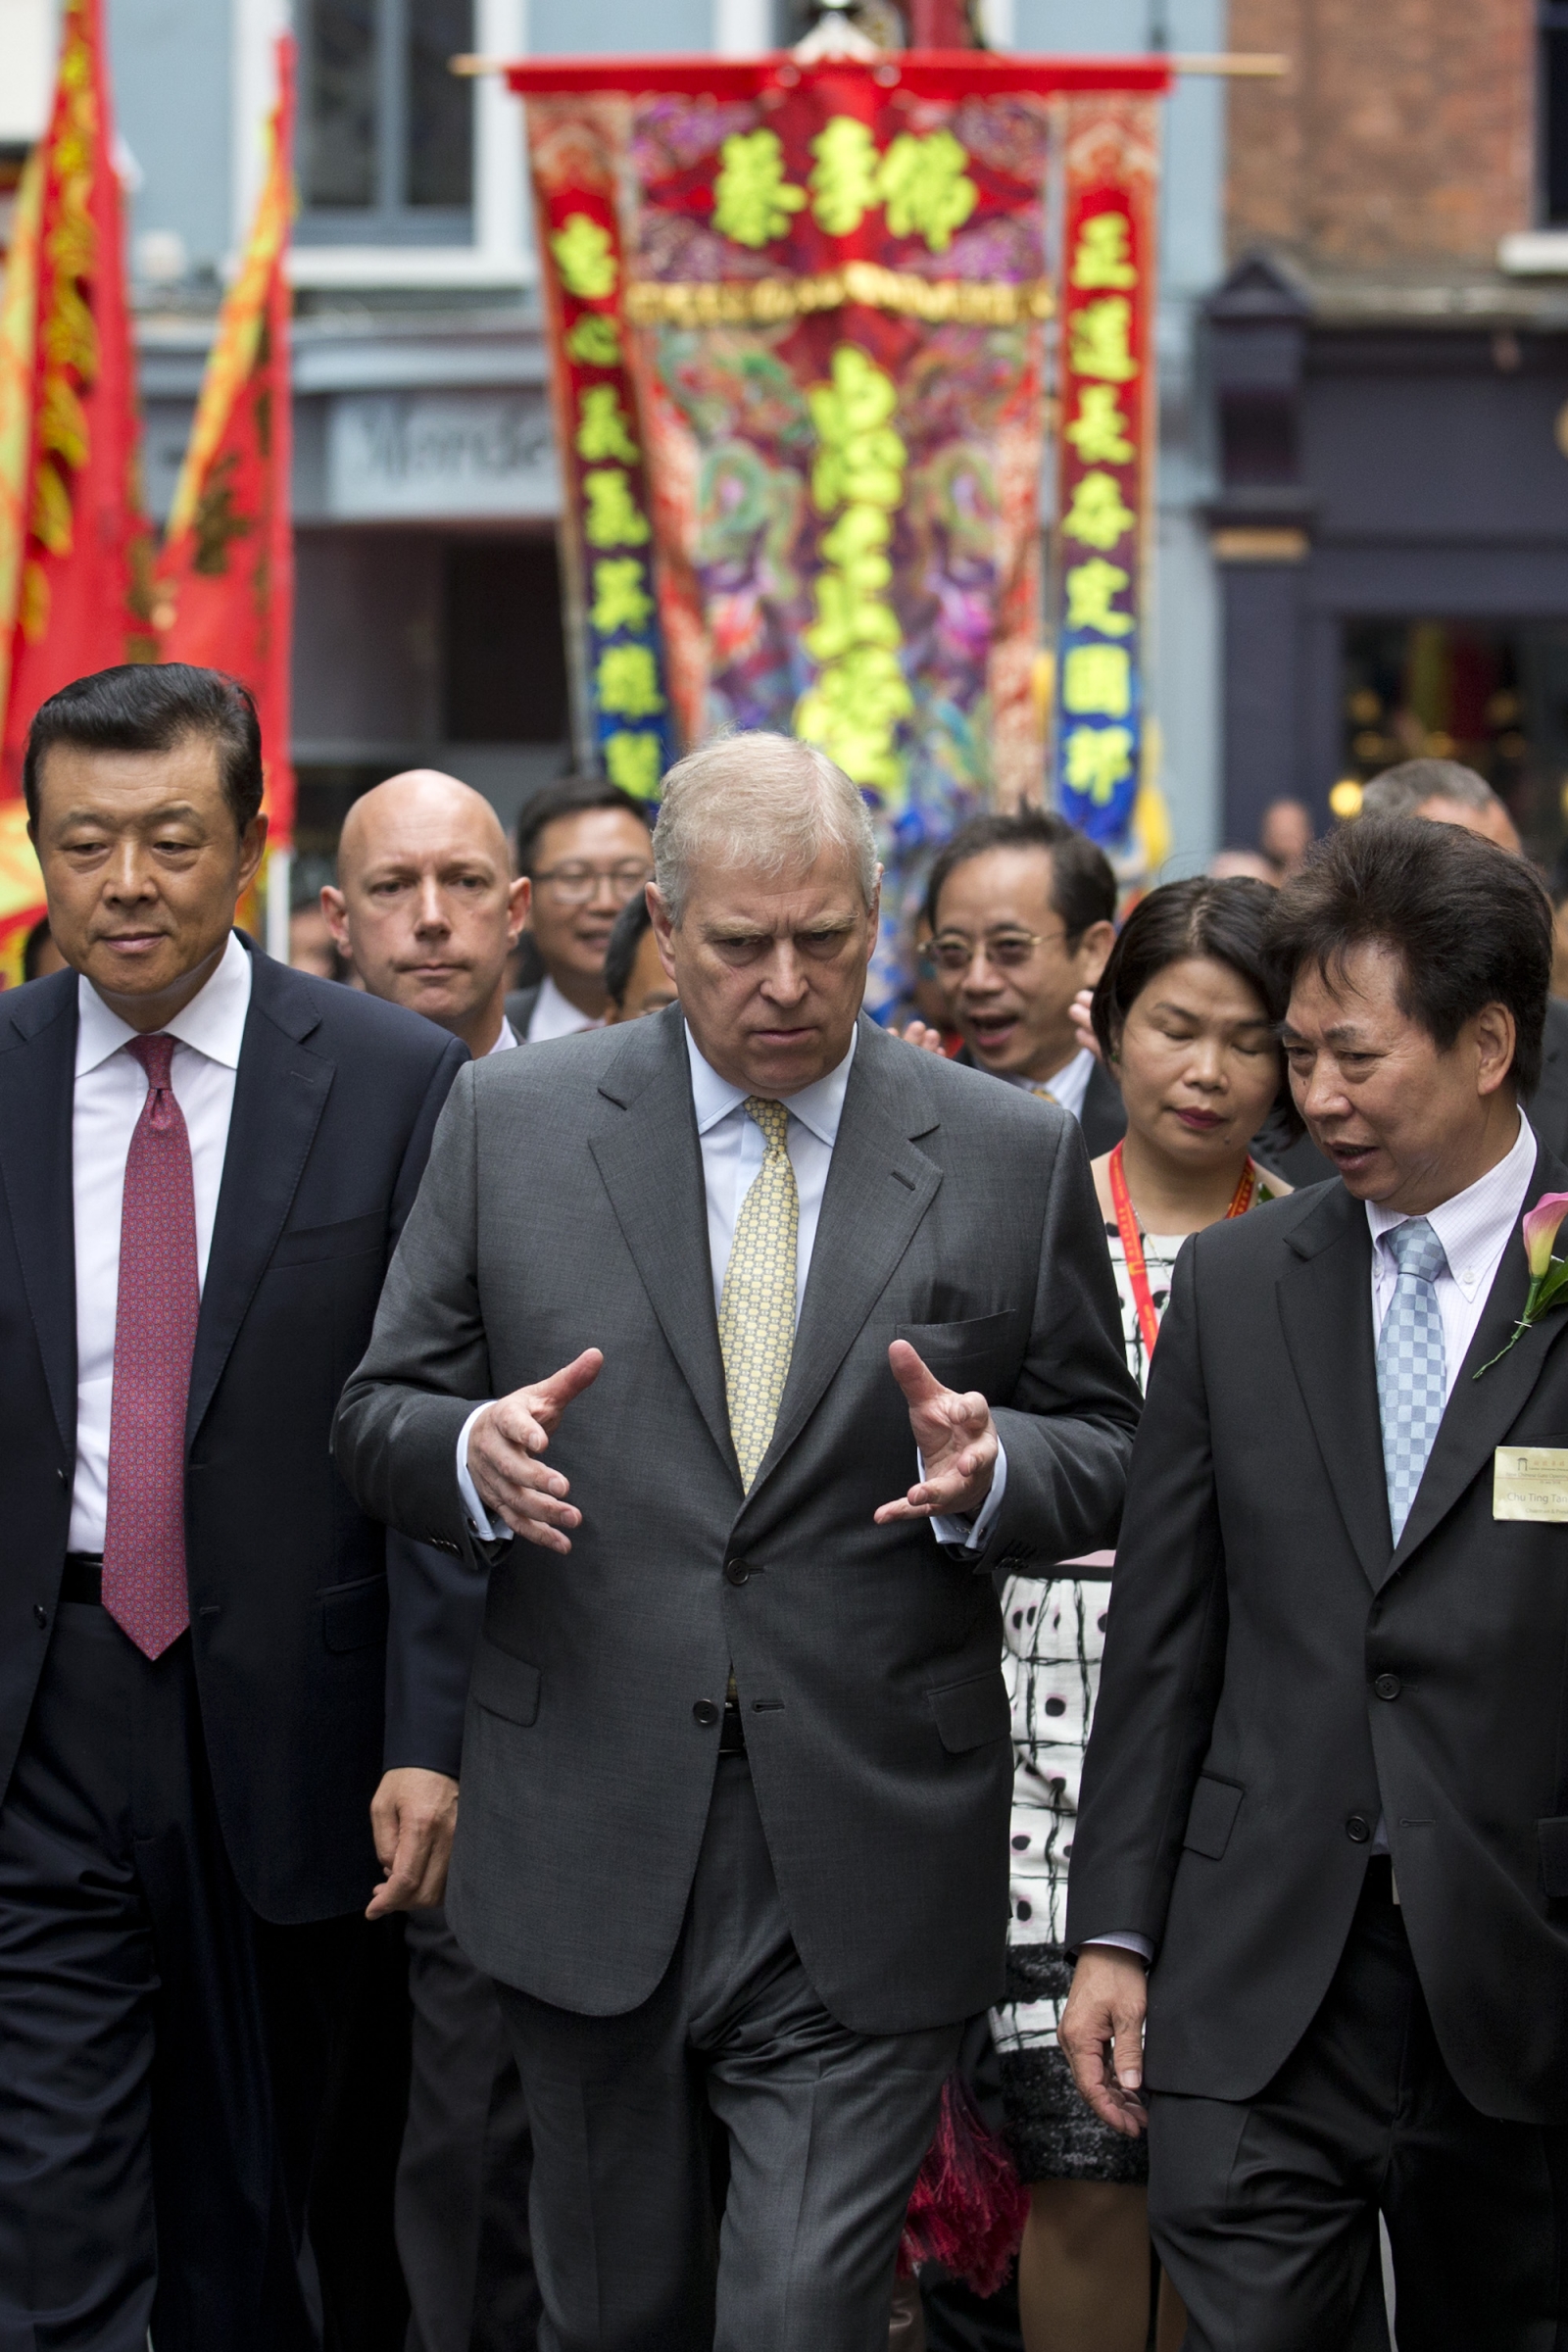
[1265, 2211]
[826, 2131]
[181, 2085]
[463, 2181]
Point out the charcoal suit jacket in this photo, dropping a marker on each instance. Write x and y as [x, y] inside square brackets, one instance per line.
[1277, 1670]
[564, 1207]
[336, 1101]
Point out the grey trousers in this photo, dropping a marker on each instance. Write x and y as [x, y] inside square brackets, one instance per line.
[462, 2178]
[826, 2131]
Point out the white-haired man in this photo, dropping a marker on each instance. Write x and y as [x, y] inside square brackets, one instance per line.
[793, 1337]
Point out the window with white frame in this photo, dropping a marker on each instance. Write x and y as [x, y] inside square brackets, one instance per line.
[386, 132]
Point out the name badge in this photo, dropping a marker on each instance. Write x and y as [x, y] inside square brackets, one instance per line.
[1530, 1481]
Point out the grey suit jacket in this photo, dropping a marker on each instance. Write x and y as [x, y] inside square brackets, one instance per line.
[563, 1208]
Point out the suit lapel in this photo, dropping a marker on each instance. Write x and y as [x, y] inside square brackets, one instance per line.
[280, 1090]
[879, 1188]
[1481, 1412]
[1325, 1304]
[651, 1164]
[37, 1083]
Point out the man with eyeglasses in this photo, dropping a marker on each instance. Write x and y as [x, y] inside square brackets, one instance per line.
[585, 849]
[1023, 912]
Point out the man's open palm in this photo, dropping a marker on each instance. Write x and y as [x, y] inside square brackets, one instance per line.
[957, 1438]
[505, 1443]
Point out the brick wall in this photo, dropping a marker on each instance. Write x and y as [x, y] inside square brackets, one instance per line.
[1402, 137]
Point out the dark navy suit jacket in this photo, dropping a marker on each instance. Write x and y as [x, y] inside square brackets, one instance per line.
[336, 1101]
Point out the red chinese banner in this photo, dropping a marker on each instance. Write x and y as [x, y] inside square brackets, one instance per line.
[1105, 460]
[809, 305]
[72, 543]
[225, 576]
[620, 689]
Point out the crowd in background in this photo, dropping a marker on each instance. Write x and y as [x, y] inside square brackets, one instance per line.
[1025, 966]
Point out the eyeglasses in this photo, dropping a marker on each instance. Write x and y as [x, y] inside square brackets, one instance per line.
[574, 885]
[1009, 951]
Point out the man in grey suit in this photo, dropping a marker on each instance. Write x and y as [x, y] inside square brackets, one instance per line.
[736, 1769]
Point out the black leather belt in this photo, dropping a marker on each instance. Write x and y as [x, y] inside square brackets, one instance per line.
[83, 1579]
[731, 1730]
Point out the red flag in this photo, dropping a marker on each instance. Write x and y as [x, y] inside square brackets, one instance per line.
[71, 537]
[225, 576]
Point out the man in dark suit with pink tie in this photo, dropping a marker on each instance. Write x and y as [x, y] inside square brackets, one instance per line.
[206, 1160]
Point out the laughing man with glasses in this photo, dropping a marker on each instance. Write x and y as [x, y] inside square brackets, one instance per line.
[585, 848]
[1022, 912]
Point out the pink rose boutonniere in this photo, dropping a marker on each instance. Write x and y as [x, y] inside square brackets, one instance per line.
[1549, 1275]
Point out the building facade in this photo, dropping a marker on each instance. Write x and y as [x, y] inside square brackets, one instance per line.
[1388, 366]
[428, 610]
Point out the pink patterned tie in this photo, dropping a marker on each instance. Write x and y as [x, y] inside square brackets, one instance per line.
[155, 1332]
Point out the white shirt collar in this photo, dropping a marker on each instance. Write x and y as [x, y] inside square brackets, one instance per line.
[818, 1107]
[555, 1015]
[213, 1022]
[505, 1041]
[1475, 1224]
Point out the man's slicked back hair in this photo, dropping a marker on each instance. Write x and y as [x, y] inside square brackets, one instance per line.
[766, 802]
[1083, 886]
[572, 796]
[152, 707]
[1470, 924]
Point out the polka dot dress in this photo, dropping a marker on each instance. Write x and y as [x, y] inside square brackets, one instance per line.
[1054, 1629]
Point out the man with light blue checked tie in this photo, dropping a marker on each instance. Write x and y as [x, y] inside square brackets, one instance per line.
[737, 1347]
[1323, 1836]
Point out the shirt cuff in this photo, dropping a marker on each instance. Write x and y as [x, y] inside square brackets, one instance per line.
[478, 1517]
[1139, 1944]
[972, 1535]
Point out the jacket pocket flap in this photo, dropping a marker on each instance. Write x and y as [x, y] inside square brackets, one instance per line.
[951, 1343]
[1212, 1816]
[1552, 1838]
[355, 1237]
[968, 1714]
[504, 1684]
[353, 1616]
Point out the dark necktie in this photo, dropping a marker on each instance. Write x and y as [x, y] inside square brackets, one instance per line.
[155, 1332]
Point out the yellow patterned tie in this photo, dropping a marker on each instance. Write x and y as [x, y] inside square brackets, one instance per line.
[1033, 1086]
[756, 1313]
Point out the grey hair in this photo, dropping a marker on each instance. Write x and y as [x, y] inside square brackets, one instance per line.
[1401, 791]
[766, 802]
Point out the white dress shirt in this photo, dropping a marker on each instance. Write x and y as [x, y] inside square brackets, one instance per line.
[110, 1090]
[732, 1148]
[505, 1041]
[555, 1015]
[1474, 1228]
[1070, 1084]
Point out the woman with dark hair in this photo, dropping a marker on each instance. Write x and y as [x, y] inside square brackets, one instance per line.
[1186, 1014]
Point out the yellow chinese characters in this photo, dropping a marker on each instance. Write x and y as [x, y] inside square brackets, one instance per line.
[860, 694]
[634, 762]
[1099, 431]
[1098, 515]
[626, 682]
[603, 429]
[1089, 589]
[620, 599]
[921, 182]
[1103, 255]
[1097, 680]
[752, 201]
[585, 258]
[614, 519]
[1098, 758]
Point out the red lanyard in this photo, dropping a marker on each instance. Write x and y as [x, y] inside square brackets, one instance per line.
[1132, 1246]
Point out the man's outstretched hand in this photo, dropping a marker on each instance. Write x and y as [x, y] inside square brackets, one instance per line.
[1103, 2034]
[504, 1448]
[412, 1815]
[957, 1438]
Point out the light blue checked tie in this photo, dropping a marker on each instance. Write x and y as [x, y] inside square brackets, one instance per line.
[1411, 1384]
